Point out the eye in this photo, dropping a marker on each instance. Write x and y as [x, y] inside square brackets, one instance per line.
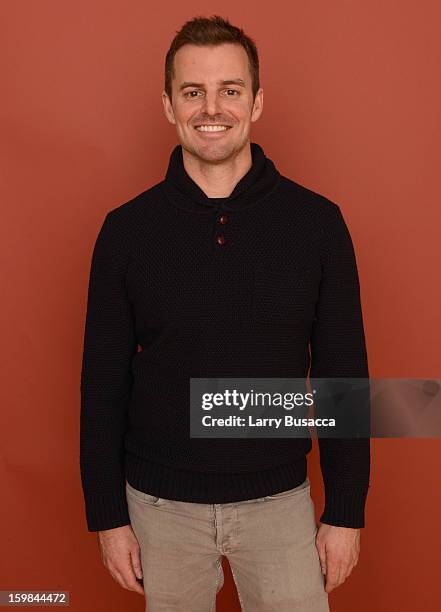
[188, 93]
[232, 90]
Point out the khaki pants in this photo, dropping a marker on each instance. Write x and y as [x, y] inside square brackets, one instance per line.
[269, 543]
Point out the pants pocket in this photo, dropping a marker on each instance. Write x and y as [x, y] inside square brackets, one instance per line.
[146, 498]
[302, 488]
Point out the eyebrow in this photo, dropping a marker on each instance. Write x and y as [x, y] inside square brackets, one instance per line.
[240, 82]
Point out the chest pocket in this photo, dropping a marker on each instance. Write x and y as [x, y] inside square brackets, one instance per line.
[285, 298]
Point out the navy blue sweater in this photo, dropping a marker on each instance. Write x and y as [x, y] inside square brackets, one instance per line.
[263, 283]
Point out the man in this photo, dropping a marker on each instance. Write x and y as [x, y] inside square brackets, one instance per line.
[224, 269]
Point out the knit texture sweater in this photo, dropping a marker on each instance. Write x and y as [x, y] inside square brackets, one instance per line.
[263, 283]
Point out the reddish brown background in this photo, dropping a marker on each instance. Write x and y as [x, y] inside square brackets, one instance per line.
[351, 110]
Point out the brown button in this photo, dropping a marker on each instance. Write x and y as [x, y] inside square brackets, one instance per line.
[220, 239]
[223, 219]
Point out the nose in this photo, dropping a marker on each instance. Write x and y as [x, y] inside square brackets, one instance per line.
[211, 104]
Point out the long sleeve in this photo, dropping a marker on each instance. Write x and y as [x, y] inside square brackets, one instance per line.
[109, 345]
[338, 350]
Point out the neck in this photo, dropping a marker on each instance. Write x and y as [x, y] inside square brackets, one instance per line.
[217, 180]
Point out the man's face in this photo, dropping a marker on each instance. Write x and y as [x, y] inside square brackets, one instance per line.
[212, 86]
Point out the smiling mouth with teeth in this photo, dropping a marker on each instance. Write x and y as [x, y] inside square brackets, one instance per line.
[212, 128]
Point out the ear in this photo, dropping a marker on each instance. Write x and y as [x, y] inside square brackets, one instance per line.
[257, 105]
[168, 108]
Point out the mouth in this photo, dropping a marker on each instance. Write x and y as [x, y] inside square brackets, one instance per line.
[212, 129]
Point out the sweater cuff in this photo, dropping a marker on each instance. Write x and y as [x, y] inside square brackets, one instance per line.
[344, 507]
[106, 512]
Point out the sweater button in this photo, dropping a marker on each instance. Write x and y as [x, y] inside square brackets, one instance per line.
[223, 219]
[220, 239]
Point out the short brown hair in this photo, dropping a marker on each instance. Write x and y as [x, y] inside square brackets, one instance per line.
[212, 31]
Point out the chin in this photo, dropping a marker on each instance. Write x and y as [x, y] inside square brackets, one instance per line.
[214, 152]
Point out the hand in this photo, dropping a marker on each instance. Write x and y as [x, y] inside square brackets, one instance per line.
[120, 553]
[338, 548]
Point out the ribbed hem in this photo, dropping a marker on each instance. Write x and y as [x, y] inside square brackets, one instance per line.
[345, 507]
[211, 487]
[106, 512]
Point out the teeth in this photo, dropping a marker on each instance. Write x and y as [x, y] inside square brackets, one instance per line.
[212, 128]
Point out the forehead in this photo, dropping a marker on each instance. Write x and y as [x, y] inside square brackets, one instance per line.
[210, 63]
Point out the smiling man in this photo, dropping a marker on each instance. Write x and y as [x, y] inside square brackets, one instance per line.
[213, 115]
[225, 268]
